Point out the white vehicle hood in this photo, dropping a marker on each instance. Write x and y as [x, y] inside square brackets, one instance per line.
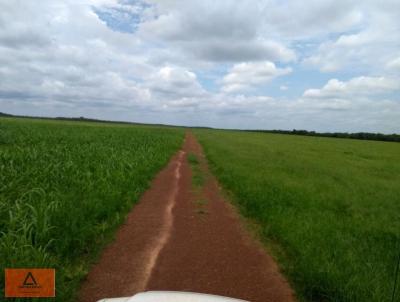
[170, 296]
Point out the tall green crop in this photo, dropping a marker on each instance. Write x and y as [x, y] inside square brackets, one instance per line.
[65, 187]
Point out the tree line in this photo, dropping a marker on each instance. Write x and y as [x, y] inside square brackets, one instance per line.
[357, 135]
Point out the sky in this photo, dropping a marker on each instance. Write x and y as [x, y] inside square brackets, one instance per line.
[322, 65]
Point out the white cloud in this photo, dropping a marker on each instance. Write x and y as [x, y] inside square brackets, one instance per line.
[394, 64]
[366, 47]
[215, 31]
[314, 18]
[70, 60]
[244, 76]
[359, 104]
[347, 51]
[174, 83]
[360, 86]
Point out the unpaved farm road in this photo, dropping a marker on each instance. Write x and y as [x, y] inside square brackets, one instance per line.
[183, 239]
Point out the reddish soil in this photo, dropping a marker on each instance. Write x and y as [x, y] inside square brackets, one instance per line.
[169, 242]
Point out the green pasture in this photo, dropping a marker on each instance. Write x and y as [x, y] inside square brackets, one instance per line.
[328, 209]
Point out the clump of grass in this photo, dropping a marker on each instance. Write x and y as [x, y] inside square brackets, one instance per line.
[201, 211]
[200, 206]
[197, 182]
[335, 217]
[192, 159]
[201, 202]
[66, 186]
[197, 173]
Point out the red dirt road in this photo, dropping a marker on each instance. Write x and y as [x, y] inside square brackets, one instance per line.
[169, 242]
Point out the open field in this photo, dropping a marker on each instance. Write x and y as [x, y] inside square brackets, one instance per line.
[329, 209]
[66, 186]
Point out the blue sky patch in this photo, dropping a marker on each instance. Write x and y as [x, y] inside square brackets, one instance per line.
[125, 17]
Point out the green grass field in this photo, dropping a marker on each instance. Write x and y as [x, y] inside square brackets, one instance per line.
[66, 186]
[329, 209]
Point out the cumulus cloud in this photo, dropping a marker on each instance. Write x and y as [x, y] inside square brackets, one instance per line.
[394, 64]
[366, 86]
[361, 103]
[244, 76]
[365, 47]
[348, 51]
[315, 18]
[215, 31]
[63, 66]
[175, 83]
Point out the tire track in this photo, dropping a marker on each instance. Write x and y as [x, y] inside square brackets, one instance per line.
[165, 234]
[127, 264]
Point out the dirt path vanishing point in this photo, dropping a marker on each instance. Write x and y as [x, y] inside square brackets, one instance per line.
[179, 237]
